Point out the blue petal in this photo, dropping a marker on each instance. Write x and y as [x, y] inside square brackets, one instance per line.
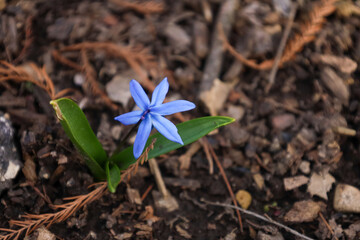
[139, 95]
[166, 128]
[142, 136]
[160, 92]
[130, 117]
[173, 107]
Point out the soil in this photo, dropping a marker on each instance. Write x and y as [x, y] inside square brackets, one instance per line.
[296, 128]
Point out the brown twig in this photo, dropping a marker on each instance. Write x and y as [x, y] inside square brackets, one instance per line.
[30, 73]
[91, 85]
[306, 35]
[258, 160]
[281, 48]
[225, 180]
[33, 221]
[138, 58]
[327, 225]
[147, 192]
[208, 155]
[28, 39]
[60, 58]
[43, 196]
[38, 77]
[143, 7]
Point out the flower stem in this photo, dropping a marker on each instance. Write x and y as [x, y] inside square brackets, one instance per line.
[123, 141]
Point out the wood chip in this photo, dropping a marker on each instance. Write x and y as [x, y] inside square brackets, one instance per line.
[182, 232]
[320, 184]
[344, 64]
[201, 34]
[291, 183]
[44, 234]
[148, 214]
[216, 96]
[335, 84]
[184, 183]
[303, 211]
[134, 196]
[29, 169]
[259, 180]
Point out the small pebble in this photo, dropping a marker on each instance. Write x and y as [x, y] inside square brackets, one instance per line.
[283, 121]
[79, 79]
[305, 167]
[116, 132]
[236, 112]
[347, 198]
[243, 198]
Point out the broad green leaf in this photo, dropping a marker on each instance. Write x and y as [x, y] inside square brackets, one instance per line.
[113, 176]
[80, 133]
[189, 131]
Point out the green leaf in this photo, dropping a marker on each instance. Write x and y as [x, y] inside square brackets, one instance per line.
[189, 131]
[113, 176]
[80, 133]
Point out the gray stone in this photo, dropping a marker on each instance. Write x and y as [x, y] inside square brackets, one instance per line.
[118, 88]
[10, 163]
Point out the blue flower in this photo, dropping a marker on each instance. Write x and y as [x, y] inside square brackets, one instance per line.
[151, 114]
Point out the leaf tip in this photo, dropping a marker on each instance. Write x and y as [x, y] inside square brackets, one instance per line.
[57, 109]
[231, 119]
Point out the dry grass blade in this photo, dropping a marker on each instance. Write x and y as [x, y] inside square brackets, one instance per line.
[28, 39]
[60, 58]
[91, 85]
[33, 221]
[136, 57]
[132, 169]
[306, 35]
[143, 7]
[30, 73]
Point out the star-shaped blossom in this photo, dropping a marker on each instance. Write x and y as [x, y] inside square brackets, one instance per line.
[151, 114]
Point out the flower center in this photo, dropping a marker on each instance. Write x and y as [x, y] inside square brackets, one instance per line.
[144, 114]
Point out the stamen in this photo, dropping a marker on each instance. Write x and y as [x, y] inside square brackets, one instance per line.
[144, 114]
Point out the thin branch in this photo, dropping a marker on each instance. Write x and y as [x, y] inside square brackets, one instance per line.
[208, 155]
[136, 57]
[60, 58]
[306, 35]
[281, 48]
[91, 85]
[225, 180]
[268, 220]
[143, 7]
[327, 225]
